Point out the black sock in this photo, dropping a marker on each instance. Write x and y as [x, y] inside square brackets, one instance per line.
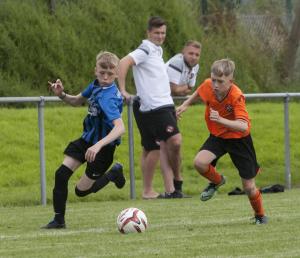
[59, 218]
[100, 183]
[178, 185]
[60, 192]
[81, 193]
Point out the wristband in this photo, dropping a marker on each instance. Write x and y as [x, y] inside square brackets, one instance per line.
[63, 95]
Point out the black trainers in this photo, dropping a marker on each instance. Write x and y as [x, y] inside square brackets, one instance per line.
[54, 225]
[116, 175]
[211, 189]
[165, 196]
[180, 194]
[161, 196]
[176, 195]
[259, 220]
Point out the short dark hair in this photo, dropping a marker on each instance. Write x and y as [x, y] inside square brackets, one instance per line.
[155, 22]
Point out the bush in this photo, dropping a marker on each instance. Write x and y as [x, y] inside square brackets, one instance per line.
[36, 46]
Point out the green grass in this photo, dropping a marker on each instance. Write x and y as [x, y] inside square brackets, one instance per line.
[19, 162]
[177, 228]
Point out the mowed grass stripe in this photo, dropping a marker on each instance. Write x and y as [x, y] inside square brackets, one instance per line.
[177, 228]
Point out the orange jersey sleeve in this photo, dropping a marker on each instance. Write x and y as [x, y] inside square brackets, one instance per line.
[232, 107]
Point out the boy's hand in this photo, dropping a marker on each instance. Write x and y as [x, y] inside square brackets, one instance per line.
[91, 152]
[214, 115]
[56, 87]
[180, 110]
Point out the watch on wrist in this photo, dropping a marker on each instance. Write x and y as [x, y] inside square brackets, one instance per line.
[63, 95]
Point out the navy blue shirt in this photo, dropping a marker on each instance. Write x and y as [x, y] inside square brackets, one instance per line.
[105, 106]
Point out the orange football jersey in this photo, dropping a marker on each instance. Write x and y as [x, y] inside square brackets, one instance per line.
[232, 107]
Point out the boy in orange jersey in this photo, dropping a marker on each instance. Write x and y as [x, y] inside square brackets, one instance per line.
[229, 126]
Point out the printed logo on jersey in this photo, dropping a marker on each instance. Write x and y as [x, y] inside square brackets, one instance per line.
[192, 75]
[93, 108]
[170, 129]
[229, 108]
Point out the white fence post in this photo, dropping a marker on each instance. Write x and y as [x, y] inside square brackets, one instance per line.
[131, 150]
[287, 155]
[41, 105]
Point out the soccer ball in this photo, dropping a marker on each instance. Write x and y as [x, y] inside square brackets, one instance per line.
[132, 220]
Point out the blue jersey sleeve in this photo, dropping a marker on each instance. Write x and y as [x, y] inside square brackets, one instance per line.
[112, 108]
[87, 92]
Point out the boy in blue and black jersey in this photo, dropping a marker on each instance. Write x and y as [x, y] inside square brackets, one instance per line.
[102, 128]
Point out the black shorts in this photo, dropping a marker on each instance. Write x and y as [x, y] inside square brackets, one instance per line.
[241, 152]
[155, 126]
[104, 158]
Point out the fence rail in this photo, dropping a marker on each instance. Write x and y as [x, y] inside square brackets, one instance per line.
[42, 100]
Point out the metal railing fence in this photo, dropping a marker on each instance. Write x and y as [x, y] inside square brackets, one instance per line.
[40, 101]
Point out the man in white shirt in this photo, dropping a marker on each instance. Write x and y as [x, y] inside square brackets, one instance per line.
[155, 111]
[182, 70]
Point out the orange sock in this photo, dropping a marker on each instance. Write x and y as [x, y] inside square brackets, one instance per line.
[256, 203]
[212, 175]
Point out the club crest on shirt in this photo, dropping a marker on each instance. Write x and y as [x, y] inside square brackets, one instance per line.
[92, 109]
[229, 108]
[169, 129]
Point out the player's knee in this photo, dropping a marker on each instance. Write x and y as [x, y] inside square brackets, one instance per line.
[250, 190]
[200, 166]
[82, 193]
[175, 141]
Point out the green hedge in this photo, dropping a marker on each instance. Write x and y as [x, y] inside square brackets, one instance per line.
[36, 46]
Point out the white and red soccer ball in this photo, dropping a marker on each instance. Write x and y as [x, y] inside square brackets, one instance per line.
[132, 220]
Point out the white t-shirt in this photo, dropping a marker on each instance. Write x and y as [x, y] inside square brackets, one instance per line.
[179, 73]
[150, 77]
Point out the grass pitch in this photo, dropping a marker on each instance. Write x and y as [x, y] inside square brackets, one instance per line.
[177, 228]
[19, 162]
[219, 227]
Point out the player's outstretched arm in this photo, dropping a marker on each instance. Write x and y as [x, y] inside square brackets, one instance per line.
[183, 107]
[114, 134]
[58, 89]
[125, 63]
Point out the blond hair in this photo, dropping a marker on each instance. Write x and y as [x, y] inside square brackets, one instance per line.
[223, 67]
[107, 60]
[193, 43]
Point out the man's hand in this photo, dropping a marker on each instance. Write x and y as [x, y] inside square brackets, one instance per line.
[180, 90]
[127, 97]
